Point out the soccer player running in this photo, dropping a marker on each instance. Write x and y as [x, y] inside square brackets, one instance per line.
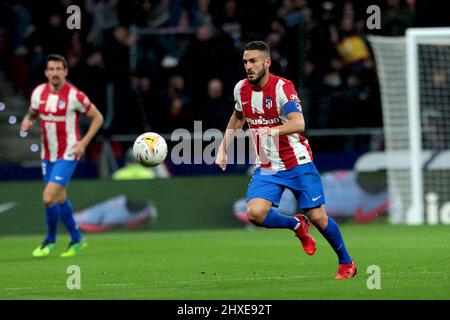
[271, 107]
[58, 105]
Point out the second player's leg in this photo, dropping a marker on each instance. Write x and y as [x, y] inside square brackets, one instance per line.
[56, 190]
[51, 197]
[54, 194]
[58, 206]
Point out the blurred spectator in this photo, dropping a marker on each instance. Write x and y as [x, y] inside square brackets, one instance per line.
[173, 17]
[92, 67]
[351, 47]
[396, 18]
[179, 20]
[116, 53]
[197, 60]
[203, 17]
[295, 15]
[4, 24]
[54, 36]
[21, 20]
[279, 61]
[116, 60]
[146, 105]
[105, 18]
[152, 14]
[207, 57]
[230, 23]
[182, 14]
[215, 109]
[327, 115]
[50, 37]
[319, 46]
[348, 10]
[75, 51]
[291, 12]
[177, 104]
[353, 102]
[23, 28]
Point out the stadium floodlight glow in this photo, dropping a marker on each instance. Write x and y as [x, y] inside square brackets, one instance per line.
[34, 147]
[2, 106]
[414, 74]
[23, 134]
[12, 120]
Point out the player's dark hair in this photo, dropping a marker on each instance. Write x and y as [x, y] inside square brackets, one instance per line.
[258, 45]
[57, 57]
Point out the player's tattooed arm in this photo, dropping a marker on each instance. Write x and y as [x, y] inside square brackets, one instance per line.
[29, 120]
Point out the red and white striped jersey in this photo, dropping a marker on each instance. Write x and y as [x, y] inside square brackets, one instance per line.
[59, 112]
[263, 107]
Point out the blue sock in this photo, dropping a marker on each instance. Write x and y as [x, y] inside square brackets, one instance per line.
[277, 220]
[69, 221]
[52, 216]
[334, 237]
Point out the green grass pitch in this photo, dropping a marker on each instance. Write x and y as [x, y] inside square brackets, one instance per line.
[231, 264]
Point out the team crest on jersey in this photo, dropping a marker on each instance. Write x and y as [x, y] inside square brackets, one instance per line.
[268, 102]
[61, 104]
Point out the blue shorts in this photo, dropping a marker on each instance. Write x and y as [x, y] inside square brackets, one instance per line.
[303, 180]
[58, 172]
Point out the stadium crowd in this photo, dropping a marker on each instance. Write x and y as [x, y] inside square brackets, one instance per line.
[185, 66]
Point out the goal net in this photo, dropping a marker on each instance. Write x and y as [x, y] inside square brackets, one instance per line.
[414, 76]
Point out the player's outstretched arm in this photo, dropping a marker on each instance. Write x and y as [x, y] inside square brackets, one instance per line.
[237, 121]
[28, 120]
[96, 123]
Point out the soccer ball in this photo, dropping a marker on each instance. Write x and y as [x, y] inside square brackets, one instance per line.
[150, 149]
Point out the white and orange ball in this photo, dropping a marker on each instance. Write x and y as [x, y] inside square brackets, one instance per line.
[150, 149]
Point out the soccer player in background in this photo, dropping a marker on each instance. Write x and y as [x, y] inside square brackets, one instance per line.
[272, 109]
[58, 105]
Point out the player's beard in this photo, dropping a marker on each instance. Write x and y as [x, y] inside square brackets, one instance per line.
[258, 79]
[56, 82]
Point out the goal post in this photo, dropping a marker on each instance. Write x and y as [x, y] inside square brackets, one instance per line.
[414, 76]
